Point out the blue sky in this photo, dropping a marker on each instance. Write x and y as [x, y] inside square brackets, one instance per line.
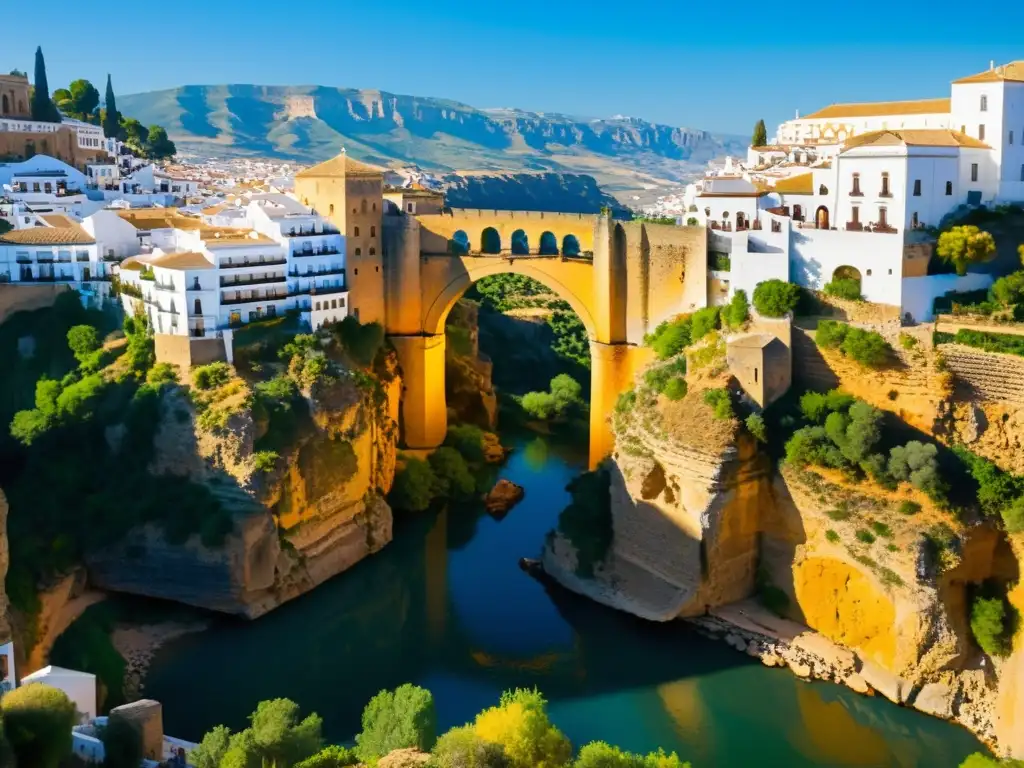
[683, 62]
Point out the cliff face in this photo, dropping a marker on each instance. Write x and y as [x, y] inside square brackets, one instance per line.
[5, 623]
[469, 389]
[316, 514]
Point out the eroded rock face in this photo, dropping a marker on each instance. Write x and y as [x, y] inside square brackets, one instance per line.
[317, 513]
[502, 497]
[5, 624]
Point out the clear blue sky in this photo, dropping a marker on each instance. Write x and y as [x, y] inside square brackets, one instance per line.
[696, 63]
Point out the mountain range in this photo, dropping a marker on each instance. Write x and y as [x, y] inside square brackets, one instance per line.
[629, 157]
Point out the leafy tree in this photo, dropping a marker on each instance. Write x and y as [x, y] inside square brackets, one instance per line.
[756, 427]
[43, 109]
[111, 117]
[520, 724]
[211, 750]
[989, 623]
[463, 748]
[965, 245]
[760, 137]
[815, 406]
[158, 145]
[776, 298]
[136, 135]
[916, 463]
[467, 439]
[454, 479]
[212, 375]
[38, 720]
[598, 754]
[670, 338]
[80, 100]
[279, 738]
[398, 719]
[1013, 516]
[83, 341]
[330, 757]
[122, 744]
[540, 405]
[415, 485]
[361, 341]
[738, 310]
[566, 391]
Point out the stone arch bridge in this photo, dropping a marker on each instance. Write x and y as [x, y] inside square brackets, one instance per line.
[621, 278]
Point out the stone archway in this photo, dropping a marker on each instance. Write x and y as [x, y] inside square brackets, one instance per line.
[490, 241]
[548, 244]
[520, 243]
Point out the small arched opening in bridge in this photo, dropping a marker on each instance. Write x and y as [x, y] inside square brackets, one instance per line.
[548, 244]
[459, 244]
[520, 243]
[570, 246]
[490, 241]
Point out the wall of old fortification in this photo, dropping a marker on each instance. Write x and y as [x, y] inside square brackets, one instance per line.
[15, 298]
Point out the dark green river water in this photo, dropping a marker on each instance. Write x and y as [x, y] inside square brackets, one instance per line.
[446, 606]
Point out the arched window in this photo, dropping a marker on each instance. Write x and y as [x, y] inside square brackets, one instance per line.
[856, 185]
[459, 244]
[798, 213]
[330, 209]
[707, 211]
[949, 188]
[520, 243]
[548, 244]
[725, 214]
[6, 105]
[355, 231]
[490, 241]
[570, 246]
[373, 251]
[359, 251]
[885, 184]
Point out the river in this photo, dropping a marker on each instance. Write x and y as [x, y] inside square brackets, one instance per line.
[445, 606]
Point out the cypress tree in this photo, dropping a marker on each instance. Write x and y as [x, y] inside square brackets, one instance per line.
[112, 118]
[760, 137]
[43, 109]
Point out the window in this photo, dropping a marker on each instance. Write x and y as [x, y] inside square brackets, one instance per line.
[357, 270]
[197, 307]
[869, 273]
[856, 184]
[963, 129]
[914, 221]
[984, 104]
[334, 303]
[981, 131]
[885, 185]
[373, 251]
[883, 213]
[374, 207]
[855, 213]
[330, 209]
[356, 232]
[373, 231]
[409, 206]
[822, 189]
[1010, 138]
[318, 306]
[917, 187]
[195, 284]
[359, 251]
[974, 171]
[949, 188]
[755, 375]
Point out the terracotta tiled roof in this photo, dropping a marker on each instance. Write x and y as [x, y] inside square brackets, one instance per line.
[771, 148]
[342, 165]
[796, 185]
[72, 235]
[1014, 72]
[214, 236]
[881, 108]
[59, 220]
[920, 137]
[132, 263]
[186, 260]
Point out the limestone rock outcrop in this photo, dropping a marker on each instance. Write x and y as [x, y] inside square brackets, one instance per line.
[502, 497]
[316, 513]
[5, 624]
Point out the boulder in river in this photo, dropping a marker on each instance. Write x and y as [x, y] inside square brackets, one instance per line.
[503, 496]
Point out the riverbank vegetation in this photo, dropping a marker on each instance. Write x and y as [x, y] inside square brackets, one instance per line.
[399, 728]
[453, 472]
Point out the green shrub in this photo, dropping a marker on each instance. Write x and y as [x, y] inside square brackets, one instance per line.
[990, 624]
[703, 322]
[211, 750]
[539, 405]
[864, 535]
[329, 757]
[775, 298]
[162, 373]
[467, 439]
[625, 402]
[815, 406]
[881, 529]
[866, 347]
[462, 748]
[520, 724]
[917, 464]
[37, 720]
[1013, 516]
[839, 514]
[844, 288]
[598, 754]
[122, 744]
[832, 536]
[830, 334]
[83, 340]
[399, 719]
[454, 480]
[211, 376]
[670, 338]
[979, 760]
[738, 310]
[888, 576]
[907, 341]
[676, 388]
[265, 461]
[564, 397]
[362, 342]
[720, 402]
[657, 377]
[756, 427]
[1009, 290]
[909, 507]
[1004, 343]
[962, 246]
[414, 487]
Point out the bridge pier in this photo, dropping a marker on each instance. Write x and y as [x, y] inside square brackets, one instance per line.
[612, 370]
[424, 413]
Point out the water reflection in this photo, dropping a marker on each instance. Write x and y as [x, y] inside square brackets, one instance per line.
[446, 606]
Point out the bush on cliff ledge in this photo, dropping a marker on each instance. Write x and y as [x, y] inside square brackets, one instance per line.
[670, 338]
[991, 624]
[776, 298]
[37, 721]
[399, 719]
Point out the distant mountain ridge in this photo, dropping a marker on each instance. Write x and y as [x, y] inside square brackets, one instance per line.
[311, 123]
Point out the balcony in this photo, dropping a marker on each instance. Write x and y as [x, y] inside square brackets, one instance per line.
[856, 193]
[48, 279]
[327, 289]
[232, 283]
[252, 264]
[318, 273]
[277, 296]
[319, 252]
[44, 259]
[854, 226]
[311, 232]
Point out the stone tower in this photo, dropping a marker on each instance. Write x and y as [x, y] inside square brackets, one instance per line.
[351, 195]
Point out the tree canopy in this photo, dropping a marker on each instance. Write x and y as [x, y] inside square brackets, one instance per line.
[760, 137]
[80, 100]
[158, 145]
[111, 117]
[43, 108]
[965, 245]
[38, 720]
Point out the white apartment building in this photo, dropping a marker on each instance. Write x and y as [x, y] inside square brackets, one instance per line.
[196, 279]
[56, 250]
[151, 180]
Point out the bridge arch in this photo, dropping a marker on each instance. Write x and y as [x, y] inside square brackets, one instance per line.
[460, 242]
[490, 241]
[548, 244]
[520, 243]
[570, 245]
